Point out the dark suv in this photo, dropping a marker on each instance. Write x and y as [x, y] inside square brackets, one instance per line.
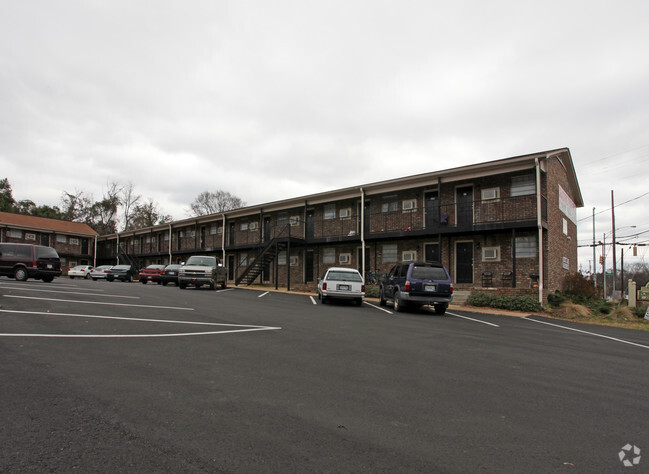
[23, 261]
[415, 284]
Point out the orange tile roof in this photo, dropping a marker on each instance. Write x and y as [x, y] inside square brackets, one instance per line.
[42, 223]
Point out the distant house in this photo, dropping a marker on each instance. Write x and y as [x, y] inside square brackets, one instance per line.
[507, 226]
[73, 241]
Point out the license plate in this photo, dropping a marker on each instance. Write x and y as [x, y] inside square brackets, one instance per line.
[343, 287]
[430, 288]
[49, 265]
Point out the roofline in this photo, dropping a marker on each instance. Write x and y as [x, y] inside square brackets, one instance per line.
[434, 178]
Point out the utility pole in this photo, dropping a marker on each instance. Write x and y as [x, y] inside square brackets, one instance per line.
[604, 265]
[614, 254]
[594, 261]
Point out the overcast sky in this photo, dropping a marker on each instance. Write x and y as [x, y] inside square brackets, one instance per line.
[277, 99]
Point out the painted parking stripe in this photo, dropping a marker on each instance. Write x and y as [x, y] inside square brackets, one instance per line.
[472, 319]
[378, 307]
[588, 333]
[313, 300]
[68, 292]
[263, 294]
[240, 327]
[98, 303]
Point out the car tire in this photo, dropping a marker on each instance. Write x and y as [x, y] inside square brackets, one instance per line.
[143, 281]
[224, 285]
[20, 274]
[382, 300]
[129, 279]
[399, 306]
[87, 277]
[182, 285]
[94, 279]
[164, 283]
[359, 301]
[324, 299]
[71, 278]
[48, 279]
[440, 309]
[212, 286]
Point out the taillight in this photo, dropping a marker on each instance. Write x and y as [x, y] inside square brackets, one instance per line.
[363, 288]
[324, 286]
[451, 287]
[35, 264]
[407, 287]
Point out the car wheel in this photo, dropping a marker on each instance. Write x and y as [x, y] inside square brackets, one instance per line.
[48, 279]
[20, 274]
[129, 279]
[163, 283]
[399, 305]
[143, 281]
[212, 286]
[87, 277]
[159, 282]
[182, 285]
[324, 299]
[381, 297]
[440, 309]
[110, 278]
[71, 278]
[94, 279]
[224, 285]
[359, 301]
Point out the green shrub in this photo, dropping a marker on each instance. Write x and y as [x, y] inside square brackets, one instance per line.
[371, 291]
[512, 303]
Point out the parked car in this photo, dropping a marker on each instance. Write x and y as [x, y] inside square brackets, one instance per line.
[23, 261]
[415, 284]
[202, 270]
[100, 272]
[121, 272]
[151, 273]
[170, 274]
[341, 283]
[80, 271]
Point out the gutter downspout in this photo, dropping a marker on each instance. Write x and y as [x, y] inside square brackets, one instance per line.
[363, 233]
[94, 260]
[223, 241]
[539, 225]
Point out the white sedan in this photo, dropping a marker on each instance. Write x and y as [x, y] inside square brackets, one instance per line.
[341, 283]
[80, 271]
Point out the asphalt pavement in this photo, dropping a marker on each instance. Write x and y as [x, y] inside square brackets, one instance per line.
[123, 377]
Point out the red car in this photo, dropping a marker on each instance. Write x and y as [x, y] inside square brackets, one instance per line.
[151, 273]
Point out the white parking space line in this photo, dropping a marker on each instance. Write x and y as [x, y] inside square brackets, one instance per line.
[378, 307]
[313, 300]
[98, 303]
[588, 333]
[241, 327]
[472, 319]
[69, 292]
[263, 294]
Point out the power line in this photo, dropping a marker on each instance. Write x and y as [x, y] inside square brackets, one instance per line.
[617, 205]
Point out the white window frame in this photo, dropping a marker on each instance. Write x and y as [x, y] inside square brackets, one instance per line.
[61, 239]
[490, 194]
[389, 203]
[392, 252]
[409, 255]
[491, 254]
[243, 226]
[408, 205]
[294, 260]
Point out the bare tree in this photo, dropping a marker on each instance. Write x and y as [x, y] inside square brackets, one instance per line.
[148, 215]
[213, 203]
[128, 200]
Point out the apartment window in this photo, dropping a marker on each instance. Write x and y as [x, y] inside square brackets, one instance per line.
[389, 253]
[243, 259]
[294, 220]
[213, 229]
[491, 253]
[389, 204]
[329, 256]
[490, 193]
[409, 256]
[62, 239]
[523, 185]
[244, 226]
[282, 220]
[330, 211]
[281, 258]
[15, 234]
[525, 247]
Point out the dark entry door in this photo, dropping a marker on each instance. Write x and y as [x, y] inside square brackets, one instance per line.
[431, 200]
[432, 253]
[45, 240]
[464, 262]
[230, 267]
[464, 203]
[267, 229]
[231, 236]
[308, 265]
[84, 246]
[310, 224]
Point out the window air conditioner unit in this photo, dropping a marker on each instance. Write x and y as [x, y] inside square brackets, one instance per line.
[344, 213]
[491, 193]
[408, 205]
[345, 258]
[490, 254]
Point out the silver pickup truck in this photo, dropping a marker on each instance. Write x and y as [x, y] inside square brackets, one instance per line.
[202, 270]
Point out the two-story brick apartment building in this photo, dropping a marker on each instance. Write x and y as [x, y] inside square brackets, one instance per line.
[73, 241]
[498, 224]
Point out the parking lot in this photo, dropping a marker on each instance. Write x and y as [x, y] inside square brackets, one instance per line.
[109, 376]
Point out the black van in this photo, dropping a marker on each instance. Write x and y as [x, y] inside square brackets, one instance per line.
[23, 261]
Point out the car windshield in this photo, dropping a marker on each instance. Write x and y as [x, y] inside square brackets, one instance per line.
[122, 267]
[344, 276]
[428, 273]
[204, 261]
